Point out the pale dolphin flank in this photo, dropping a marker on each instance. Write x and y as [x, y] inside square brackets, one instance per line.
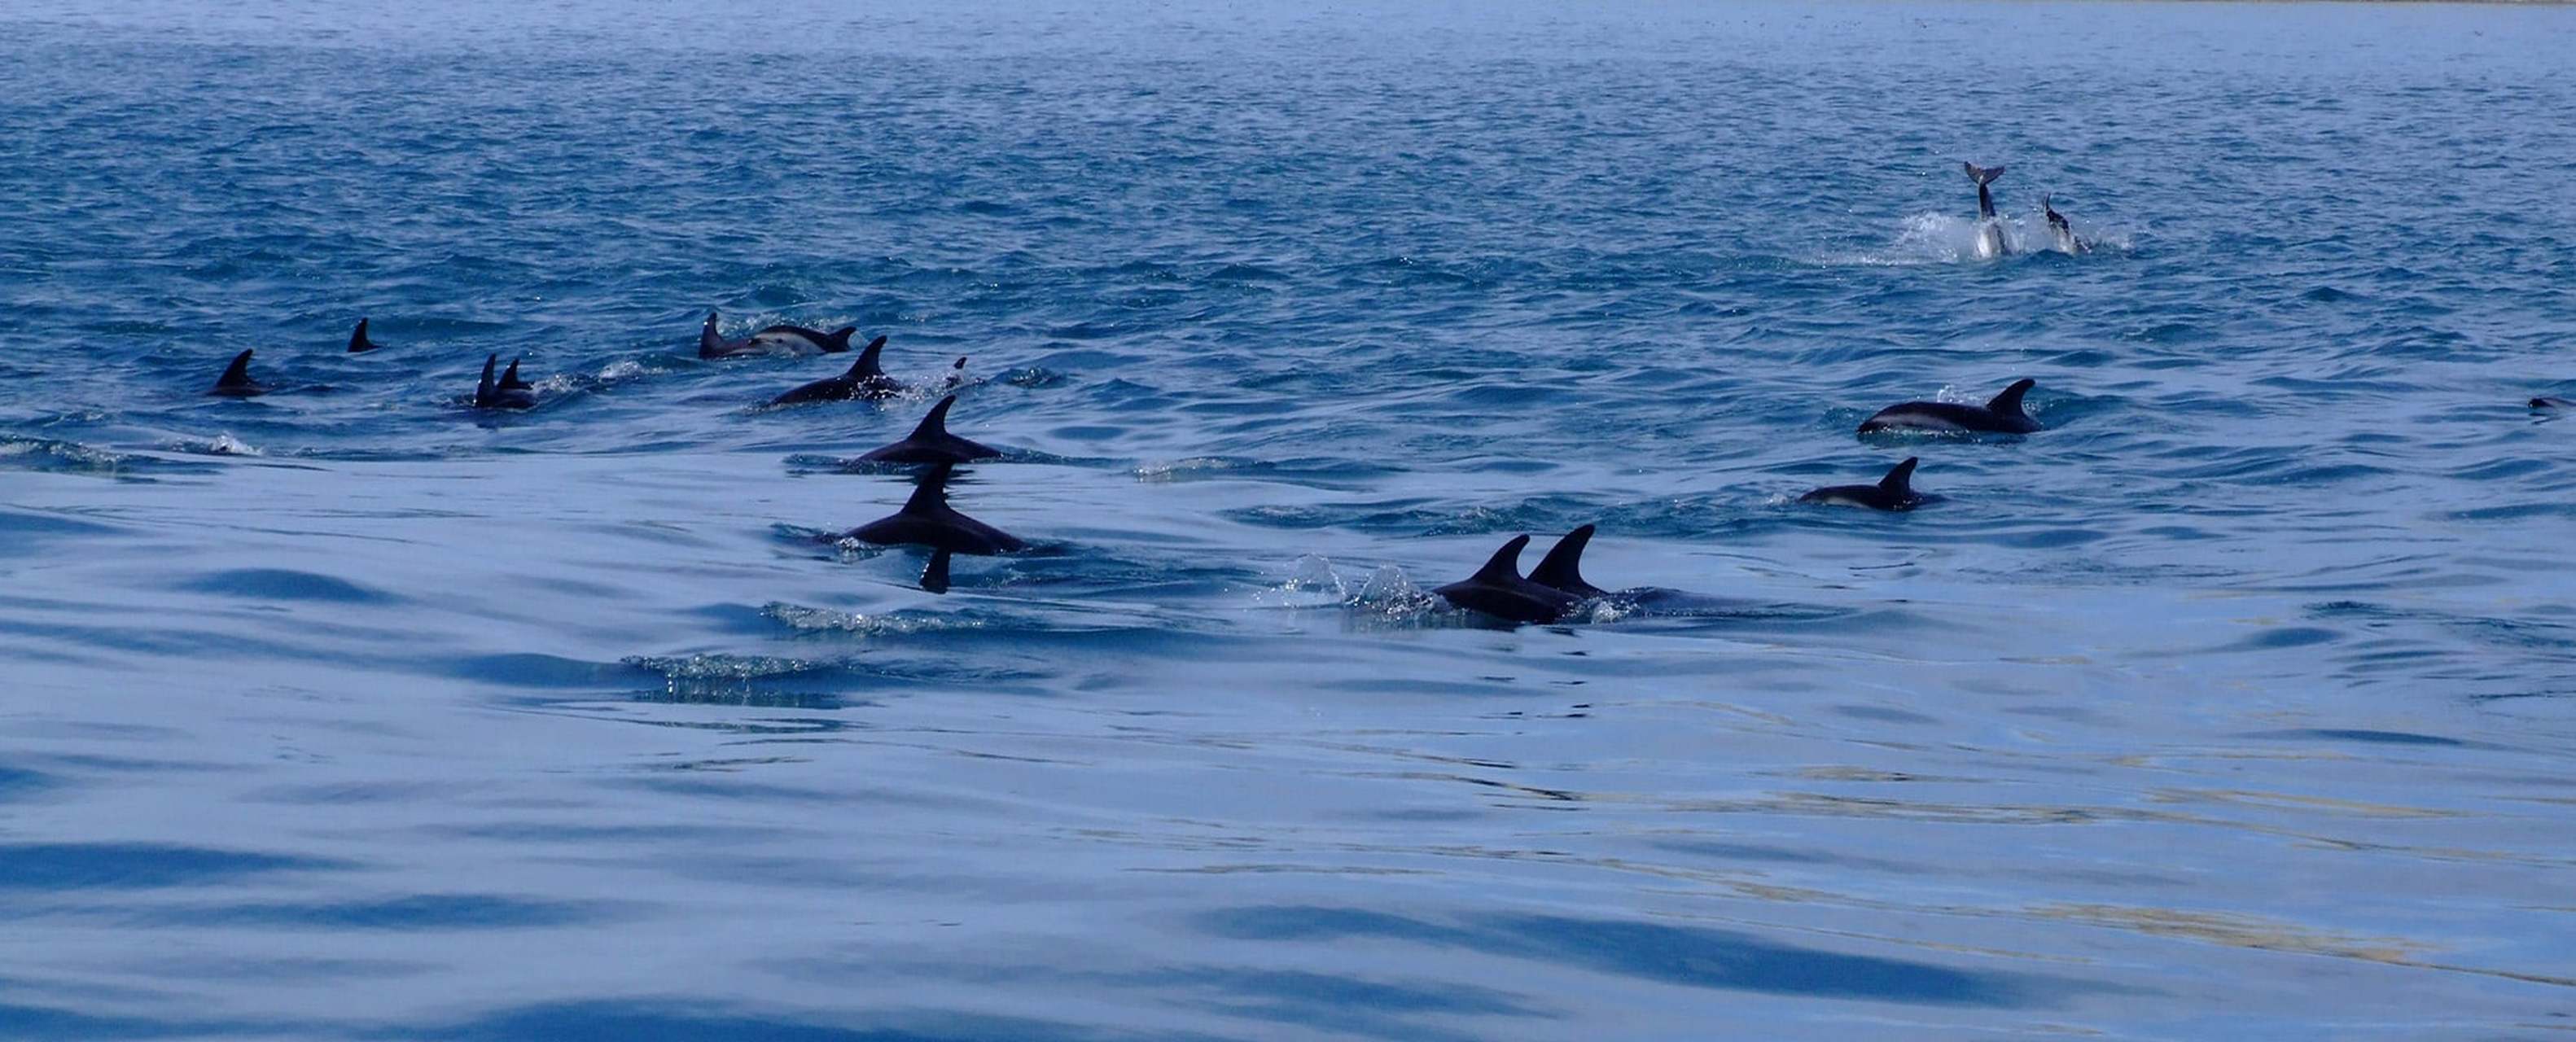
[1562, 569]
[1893, 492]
[1497, 589]
[1990, 229]
[931, 443]
[927, 520]
[236, 381]
[506, 392]
[2067, 240]
[358, 342]
[774, 340]
[2001, 415]
[866, 379]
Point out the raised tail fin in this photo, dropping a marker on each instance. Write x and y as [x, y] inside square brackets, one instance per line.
[1982, 175]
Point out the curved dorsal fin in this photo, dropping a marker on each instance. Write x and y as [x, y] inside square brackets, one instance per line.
[1506, 562]
[934, 425]
[708, 339]
[1900, 478]
[838, 340]
[1562, 568]
[358, 339]
[931, 493]
[483, 390]
[238, 373]
[510, 378]
[2009, 402]
[868, 364]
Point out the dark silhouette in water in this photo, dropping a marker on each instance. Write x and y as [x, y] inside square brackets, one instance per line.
[927, 520]
[2067, 241]
[358, 342]
[1562, 568]
[931, 443]
[1893, 492]
[866, 379]
[1497, 589]
[236, 381]
[508, 392]
[2001, 415]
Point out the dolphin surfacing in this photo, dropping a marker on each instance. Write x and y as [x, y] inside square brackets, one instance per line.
[931, 443]
[2001, 415]
[1990, 228]
[866, 378]
[927, 520]
[236, 381]
[1497, 589]
[1893, 492]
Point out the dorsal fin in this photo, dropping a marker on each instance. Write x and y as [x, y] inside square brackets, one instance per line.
[2009, 402]
[1506, 562]
[1900, 478]
[934, 578]
[1562, 568]
[238, 373]
[483, 390]
[358, 339]
[708, 340]
[868, 365]
[934, 425]
[838, 340]
[931, 493]
[510, 378]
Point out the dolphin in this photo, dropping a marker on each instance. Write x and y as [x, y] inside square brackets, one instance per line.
[2067, 241]
[927, 520]
[866, 379]
[508, 392]
[1893, 492]
[2002, 415]
[1497, 589]
[1562, 569]
[1990, 229]
[2552, 403]
[931, 443]
[358, 342]
[236, 381]
[773, 340]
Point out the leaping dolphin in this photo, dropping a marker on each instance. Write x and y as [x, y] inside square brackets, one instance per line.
[1990, 229]
[927, 520]
[2067, 240]
[236, 381]
[2001, 415]
[773, 340]
[1497, 589]
[1893, 492]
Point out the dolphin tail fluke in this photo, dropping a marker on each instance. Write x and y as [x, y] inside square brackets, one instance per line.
[1562, 568]
[1982, 175]
[1900, 478]
[935, 425]
[358, 339]
[2009, 402]
[931, 493]
[934, 578]
[838, 340]
[1505, 565]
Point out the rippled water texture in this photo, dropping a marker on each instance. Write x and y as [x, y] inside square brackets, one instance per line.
[2239, 703]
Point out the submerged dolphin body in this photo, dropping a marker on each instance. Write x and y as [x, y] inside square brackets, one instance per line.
[2001, 415]
[1893, 492]
[927, 520]
[236, 381]
[930, 442]
[865, 379]
[1990, 229]
[773, 340]
[1497, 589]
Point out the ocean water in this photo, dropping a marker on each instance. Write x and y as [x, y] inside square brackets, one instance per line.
[2241, 702]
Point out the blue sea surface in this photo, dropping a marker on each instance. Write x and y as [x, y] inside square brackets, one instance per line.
[2238, 703]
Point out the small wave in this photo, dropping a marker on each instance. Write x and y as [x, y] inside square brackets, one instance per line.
[826, 620]
[1312, 583]
[716, 666]
[48, 454]
[1943, 238]
[220, 445]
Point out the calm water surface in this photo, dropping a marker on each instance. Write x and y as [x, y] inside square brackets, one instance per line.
[2239, 703]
